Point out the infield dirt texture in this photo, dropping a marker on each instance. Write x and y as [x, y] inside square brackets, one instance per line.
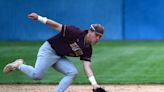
[82, 88]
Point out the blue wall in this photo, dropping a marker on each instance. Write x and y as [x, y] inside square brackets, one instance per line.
[16, 26]
[122, 19]
[144, 20]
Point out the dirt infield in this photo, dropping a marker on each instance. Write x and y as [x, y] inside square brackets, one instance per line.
[82, 88]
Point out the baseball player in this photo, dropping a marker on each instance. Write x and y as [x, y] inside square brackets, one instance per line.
[70, 41]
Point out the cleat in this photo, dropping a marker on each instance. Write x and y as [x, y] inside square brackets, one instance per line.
[12, 66]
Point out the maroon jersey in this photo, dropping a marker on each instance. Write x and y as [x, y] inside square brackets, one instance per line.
[70, 42]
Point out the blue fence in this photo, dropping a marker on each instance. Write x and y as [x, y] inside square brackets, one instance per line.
[144, 20]
[122, 19]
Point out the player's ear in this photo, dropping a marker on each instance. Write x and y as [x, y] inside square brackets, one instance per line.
[90, 31]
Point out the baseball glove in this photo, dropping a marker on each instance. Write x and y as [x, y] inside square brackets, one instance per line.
[99, 90]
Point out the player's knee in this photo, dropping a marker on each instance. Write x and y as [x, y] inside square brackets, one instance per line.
[37, 76]
[73, 73]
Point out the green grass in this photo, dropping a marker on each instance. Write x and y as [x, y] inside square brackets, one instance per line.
[113, 62]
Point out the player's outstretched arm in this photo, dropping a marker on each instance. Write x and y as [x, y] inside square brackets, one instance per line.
[55, 25]
[89, 73]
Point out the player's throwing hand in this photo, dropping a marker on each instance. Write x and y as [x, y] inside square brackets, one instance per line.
[33, 16]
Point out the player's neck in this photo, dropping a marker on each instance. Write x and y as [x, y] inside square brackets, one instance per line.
[86, 39]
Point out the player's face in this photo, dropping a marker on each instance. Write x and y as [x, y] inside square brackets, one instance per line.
[94, 37]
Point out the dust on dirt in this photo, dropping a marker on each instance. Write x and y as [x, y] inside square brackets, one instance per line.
[82, 88]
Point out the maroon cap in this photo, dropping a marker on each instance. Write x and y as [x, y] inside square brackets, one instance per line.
[98, 28]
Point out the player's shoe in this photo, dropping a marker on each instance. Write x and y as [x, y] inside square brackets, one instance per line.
[12, 66]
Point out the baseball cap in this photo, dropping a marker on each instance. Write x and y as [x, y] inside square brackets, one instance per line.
[98, 28]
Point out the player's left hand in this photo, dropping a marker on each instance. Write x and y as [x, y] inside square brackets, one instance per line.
[99, 89]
